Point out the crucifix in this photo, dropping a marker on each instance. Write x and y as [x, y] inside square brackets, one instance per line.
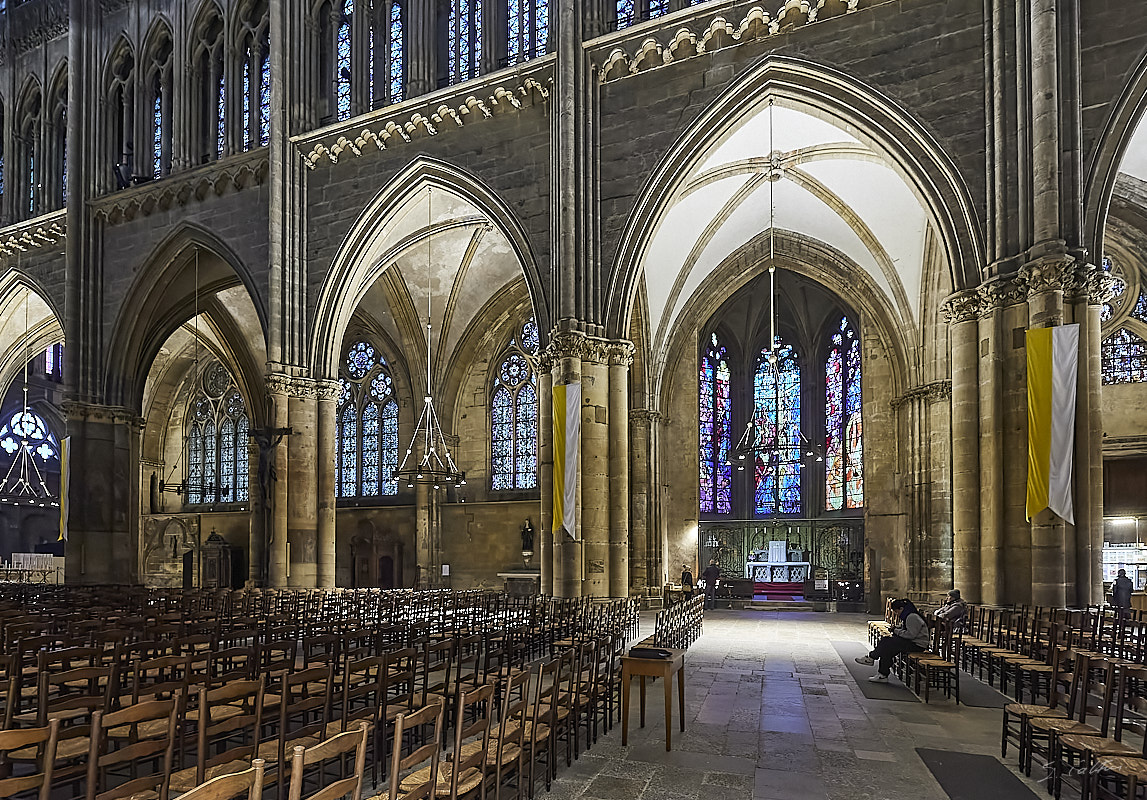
[268, 440]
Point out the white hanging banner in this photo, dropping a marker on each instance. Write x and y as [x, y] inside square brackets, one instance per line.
[567, 445]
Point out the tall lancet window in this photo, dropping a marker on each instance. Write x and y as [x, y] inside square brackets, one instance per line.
[254, 39]
[1124, 358]
[31, 162]
[159, 99]
[217, 441]
[343, 68]
[464, 39]
[529, 29]
[716, 419]
[777, 421]
[844, 430]
[210, 78]
[514, 414]
[56, 180]
[120, 122]
[367, 425]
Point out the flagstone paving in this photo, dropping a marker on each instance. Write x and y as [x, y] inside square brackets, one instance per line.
[772, 714]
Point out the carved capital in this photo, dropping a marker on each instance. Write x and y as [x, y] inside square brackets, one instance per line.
[575, 344]
[92, 412]
[1094, 284]
[1052, 273]
[1001, 292]
[929, 392]
[328, 391]
[644, 416]
[621, 354]
[961, 307]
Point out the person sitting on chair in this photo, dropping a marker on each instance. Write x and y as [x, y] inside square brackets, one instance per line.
[954, 610]
[909, 635]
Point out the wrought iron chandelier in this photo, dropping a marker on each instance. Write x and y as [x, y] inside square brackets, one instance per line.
[436, 467]
[24, 484]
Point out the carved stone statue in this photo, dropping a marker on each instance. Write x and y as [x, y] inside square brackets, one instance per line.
[527, 537]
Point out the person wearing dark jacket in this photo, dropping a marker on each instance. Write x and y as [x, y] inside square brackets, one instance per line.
[686, 582]
[1121, 593]
[711, 576]
[909, 635]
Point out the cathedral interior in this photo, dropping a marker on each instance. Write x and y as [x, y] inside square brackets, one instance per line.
[787, 250]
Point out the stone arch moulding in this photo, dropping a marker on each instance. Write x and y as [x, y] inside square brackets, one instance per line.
[931, 172]
[42, 333]
[350, 274]
[810, 259]
[1128, 111]
[156, 305]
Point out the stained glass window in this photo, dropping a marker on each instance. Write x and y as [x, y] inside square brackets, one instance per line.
[777, 419]
[247, 102]
[367, 428]
[28, 429]
[464, 35]
[1124, 358]
[265, 93]
[50, 360]
[1140, 310]
[716, 414]
[343, 61]
[528, 29]
[514, 416]
[220, 116]
[632, 11]
[157, 136]
[844, 446]
[217, 440]
[397, 52]
[1118, 288]
[626, 13]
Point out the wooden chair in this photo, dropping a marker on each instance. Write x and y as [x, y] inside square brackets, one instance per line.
[409, 780]
[229, 787]
[464, 775]
[319, 759]
[43, 742]
[1018, 715]
[114, 764]
[364, 699]
[1042, 732]
[227, 721]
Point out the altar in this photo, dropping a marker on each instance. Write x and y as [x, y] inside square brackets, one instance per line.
[778, 571]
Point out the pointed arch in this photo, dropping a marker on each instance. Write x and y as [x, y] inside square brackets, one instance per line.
[209, 113]
[44, 324]
[56, 159]
[163, 297]
[1128, 111]
[157, 70]
[355, 267]
[928, 169]
[119, 106]
[27, 162]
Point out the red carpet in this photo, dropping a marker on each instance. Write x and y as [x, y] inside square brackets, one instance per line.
[778, 590]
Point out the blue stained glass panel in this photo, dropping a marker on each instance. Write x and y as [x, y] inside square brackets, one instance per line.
[210, 462]
[248, 123]
[361, 359]
[465, 34]
[541, 27]
[715, 417]
[625, 13]
[777, 410]
[195, 465]
[853, 433]
[834, 421]
[348, 453]
[1124, 358]
[157, 136]
[265, 94]
[31, 179]
[526, 439]
[658, 8]
[220, 116]
[502, 439]
[370, 460]
[343, 61]
[514, 44]
[530, 340]
[388, 447]
[242, 463]
[397, 52]
[1140, 310]
[226, 461]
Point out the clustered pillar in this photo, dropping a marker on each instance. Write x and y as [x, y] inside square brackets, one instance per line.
[595, 560]
[998, 555]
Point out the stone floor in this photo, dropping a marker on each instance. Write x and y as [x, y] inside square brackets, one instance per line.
[773, 715]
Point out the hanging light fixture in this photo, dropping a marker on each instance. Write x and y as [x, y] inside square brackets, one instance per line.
[752, 441]
[436, 467]
[26, 436]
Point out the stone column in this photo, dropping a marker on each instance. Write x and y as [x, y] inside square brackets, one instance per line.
[1052, 554]
[302, 499]
[620, 360]
[328, 394]
[278, 563]
[594, 472]
[546, 473]
[961, 311]
[568, 553]
[640, 562]
[257, 542]
[103, 497]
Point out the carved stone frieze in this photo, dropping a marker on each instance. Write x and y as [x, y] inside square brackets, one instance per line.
[643, 416]
[295, 386]
[591, 349]
[1094, 284]
[937, 390]
[93, 412]
[961, 307]
[328, 391]
[35, 22]
[45, 231]
[621, 354]
[458, 107]
[235, 173]
[646, 47]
